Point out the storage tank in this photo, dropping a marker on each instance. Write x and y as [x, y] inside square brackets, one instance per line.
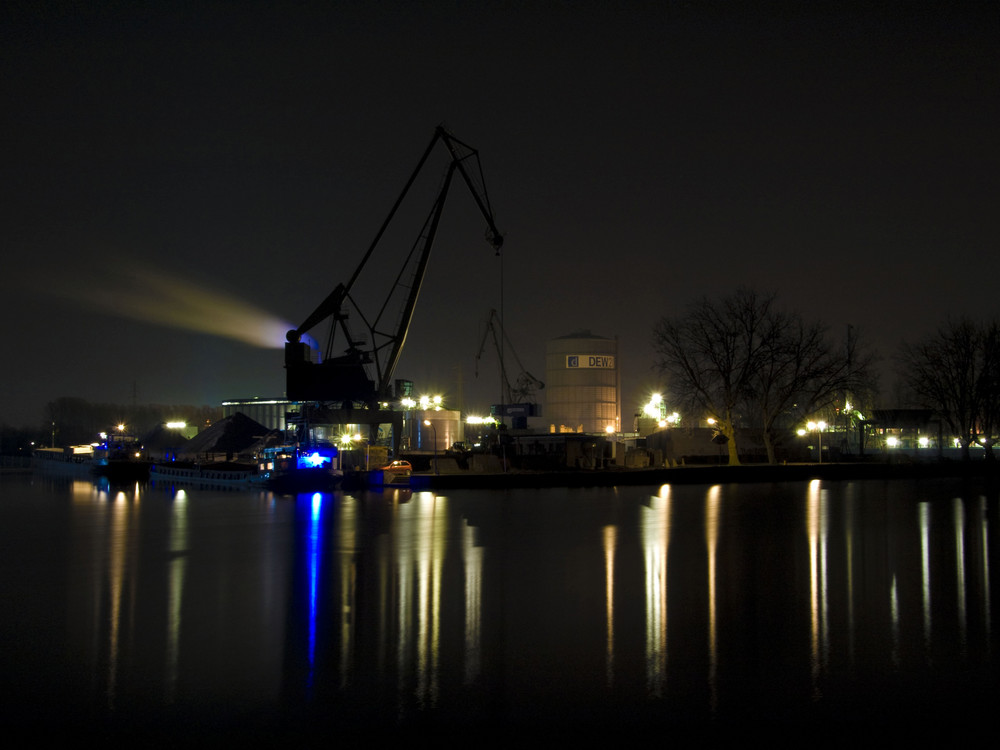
[582, 384]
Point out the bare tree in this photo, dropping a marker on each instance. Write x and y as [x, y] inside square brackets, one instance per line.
[742, 356]
[956, 371]
[988, 396]
[801, 372]
[711, 353]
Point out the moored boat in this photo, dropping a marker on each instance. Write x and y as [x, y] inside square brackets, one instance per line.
[292, 469]
[119, 456]
[206, 475]
[285, 469]
[77, 460]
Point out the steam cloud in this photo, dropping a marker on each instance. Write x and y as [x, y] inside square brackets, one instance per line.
[158, 297]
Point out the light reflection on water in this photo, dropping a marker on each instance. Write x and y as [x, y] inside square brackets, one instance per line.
[655, 526]
[581, 609]
[712, 509]
[816, 528]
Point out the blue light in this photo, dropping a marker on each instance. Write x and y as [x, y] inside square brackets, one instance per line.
[318, 457]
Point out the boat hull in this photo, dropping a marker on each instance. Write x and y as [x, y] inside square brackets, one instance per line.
[295, 481]
[205, 476]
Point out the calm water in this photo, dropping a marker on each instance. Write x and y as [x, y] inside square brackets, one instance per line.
[149, 611]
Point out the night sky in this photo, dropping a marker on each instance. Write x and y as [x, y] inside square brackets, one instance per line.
[224, 165]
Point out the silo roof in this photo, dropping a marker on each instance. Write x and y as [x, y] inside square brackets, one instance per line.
[585, 334]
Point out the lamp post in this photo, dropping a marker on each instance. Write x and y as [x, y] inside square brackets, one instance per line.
[818, 427]
[430, 424]
[718, 438]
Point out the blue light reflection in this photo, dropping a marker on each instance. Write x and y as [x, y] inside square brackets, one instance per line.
[313, 563]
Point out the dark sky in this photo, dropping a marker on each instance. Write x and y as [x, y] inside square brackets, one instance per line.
[229, 163]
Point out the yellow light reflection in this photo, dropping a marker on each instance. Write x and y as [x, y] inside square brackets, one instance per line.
[925, 568]
[849, 531]
[984, 556]
[609, 534]
[81, 490]
[817, 529]
[423, 522]
[894, 615]
[178, 545]
[655, 546]
[472, 554]
[347, 544]
[121, 562]
[713, 508]
[958, 514]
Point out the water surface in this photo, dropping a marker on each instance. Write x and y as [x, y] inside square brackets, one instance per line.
[152, 611]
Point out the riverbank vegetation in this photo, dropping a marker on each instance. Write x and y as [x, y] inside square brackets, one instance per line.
[742, 362]
[76, 421]
[956, 372]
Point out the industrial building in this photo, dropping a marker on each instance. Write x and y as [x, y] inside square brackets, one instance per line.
[270, 412]
[422, 429]
[583, 384]
[583, 396]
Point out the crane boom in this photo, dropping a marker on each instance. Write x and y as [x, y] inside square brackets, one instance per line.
[345, 376]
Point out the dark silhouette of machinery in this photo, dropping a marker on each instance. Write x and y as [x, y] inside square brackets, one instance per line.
[359, 369]
[522, 390]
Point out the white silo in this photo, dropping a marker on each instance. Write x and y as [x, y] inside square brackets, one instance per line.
[582, 384]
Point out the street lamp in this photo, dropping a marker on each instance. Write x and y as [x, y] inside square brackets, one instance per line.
[434, 427]
[718, 437]
[655, 408]
[818, 427]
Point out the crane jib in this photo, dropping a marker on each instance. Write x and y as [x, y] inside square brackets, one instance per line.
[347, 376]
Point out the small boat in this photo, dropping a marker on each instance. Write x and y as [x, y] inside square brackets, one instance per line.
[77, 460]
[292, 469]
[119, 456]
[92, 460]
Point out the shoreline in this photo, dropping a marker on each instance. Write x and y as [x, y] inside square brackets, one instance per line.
[745, 473]
[679, 475]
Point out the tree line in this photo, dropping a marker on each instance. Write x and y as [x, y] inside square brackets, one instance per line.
[747, 363]
[75, 421]
[956, 371]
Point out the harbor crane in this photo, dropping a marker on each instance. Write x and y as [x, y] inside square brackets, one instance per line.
[356, 369]
[522, 390]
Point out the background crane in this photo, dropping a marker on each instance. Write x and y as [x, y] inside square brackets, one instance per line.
[522, 389]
